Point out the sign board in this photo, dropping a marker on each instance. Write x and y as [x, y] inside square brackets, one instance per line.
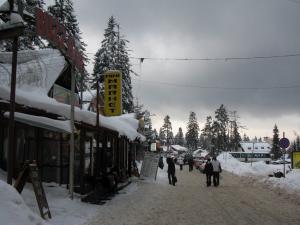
[284, 143]
[150, 165]
[48, 27]
[296, 160]
[112, 93]
[153, 147]
[32, 171]
[39, 191]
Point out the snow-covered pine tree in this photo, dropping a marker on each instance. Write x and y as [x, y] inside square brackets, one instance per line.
[192, 134]
[113, 54]
[275, 146]
[28, 40]
[63, 10]
[123, 64]
[179, 138]
[166, 129]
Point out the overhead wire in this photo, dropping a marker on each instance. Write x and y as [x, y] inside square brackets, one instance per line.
[221, 88]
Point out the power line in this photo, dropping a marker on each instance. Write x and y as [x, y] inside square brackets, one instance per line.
[217, 59]
[220, 87]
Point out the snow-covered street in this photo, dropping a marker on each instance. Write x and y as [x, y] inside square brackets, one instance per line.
[237, 201]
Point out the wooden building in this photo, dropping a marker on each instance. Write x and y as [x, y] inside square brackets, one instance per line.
[43, 125]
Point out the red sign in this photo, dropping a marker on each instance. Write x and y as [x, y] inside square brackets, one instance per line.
[48, 27]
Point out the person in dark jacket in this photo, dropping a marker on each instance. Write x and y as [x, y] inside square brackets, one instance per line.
[208, 170]
[191, 163]
[171, 171]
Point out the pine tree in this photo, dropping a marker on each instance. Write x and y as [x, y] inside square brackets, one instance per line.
[192, 134]
[138, 110]
[63, 10]
[246, 138]
[162, 136]
[235, 137]
[275, 147]
[113, 55]
[179, 138]
[28, 40]
[166, 129]
[220, 127]
[148, 133]
[155, 135]
[207, 133]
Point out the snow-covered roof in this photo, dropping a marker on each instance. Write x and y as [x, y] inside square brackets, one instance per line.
[37, 69]
[37, 72]
[258, 146]
[179, 148]
[43, 122]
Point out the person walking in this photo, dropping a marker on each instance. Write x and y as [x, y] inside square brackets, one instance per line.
[180, 162]
[171, 171]
[190, 162]
[217, 169]
[208, 170]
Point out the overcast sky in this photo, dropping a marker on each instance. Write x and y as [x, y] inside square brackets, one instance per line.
[208, 29]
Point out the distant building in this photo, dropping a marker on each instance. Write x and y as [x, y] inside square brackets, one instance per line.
[251, 146]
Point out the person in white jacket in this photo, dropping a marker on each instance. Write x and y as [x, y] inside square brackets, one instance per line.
[217, 169]
[180, 162]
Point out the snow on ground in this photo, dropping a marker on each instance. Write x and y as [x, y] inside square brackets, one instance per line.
[13, 209]
[261, 170]
[16, 209]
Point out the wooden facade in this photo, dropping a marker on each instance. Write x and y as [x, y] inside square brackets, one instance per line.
[50, 149]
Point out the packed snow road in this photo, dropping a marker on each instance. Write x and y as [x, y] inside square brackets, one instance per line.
[190, 202]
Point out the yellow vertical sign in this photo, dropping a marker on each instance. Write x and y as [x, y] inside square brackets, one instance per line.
[296, 160]
[113, 93]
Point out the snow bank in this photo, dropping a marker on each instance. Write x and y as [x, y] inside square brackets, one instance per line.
[13, 210]
[261, 169]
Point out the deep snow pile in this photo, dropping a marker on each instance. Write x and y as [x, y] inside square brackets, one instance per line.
[13, 210]
[259, 169]
[16, 209]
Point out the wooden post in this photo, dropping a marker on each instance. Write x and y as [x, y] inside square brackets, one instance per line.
[12, 150]
[97, 166]
[82, 156]
[71, 169]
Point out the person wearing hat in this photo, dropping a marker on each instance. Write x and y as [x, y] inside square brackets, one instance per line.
[208, 170]
[171, 171]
